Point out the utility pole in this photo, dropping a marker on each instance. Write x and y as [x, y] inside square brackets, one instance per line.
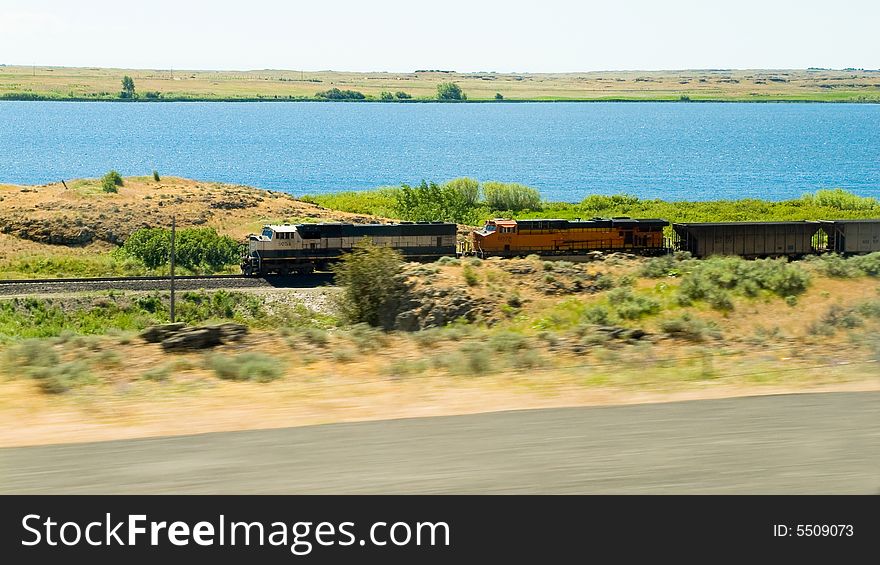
[173, 229]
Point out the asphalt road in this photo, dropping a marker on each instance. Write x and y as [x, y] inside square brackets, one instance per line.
[810, 443]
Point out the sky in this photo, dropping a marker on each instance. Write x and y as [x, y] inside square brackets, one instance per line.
[464, 36]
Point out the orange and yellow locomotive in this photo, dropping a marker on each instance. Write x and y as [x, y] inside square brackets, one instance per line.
[507, 238]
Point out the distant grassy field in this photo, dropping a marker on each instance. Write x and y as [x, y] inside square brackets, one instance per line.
[63, 83]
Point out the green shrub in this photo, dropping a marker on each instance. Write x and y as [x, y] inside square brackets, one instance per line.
[448, 260]
[475, 360]
[507, 342]
[688, 328]
[111, 181]
[336, 94]
[838, 267]
[631, 306]
[597, 314]
[36, 359]
[511, 197]
[195, 248]
[400, 95]
[370, 277]
[841, 200]
[366, 338]
[405, 367]
[450, 91]
[702, 279]
[839, 317]
[868, 264]
[158, 373]
[720, 299]
[62, 377]
[343, 354]
[869, 309]
[527, 359]
[453, 201]
[657, 267]
[156, 175]
[470, 276]
[604, 282]
[251, 366]
[386, 96]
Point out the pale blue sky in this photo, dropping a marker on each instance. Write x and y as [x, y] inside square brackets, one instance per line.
[395, 35]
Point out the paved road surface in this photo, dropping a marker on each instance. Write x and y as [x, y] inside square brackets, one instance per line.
[811, 443]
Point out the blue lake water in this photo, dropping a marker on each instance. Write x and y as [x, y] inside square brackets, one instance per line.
[567, 150]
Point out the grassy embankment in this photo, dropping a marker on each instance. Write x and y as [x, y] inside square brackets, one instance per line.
[539, 334]
[64, 83]
[495, 334]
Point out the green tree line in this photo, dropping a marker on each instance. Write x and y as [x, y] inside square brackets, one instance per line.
[197, 249]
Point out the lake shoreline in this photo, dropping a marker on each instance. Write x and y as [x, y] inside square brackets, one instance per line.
[427, 101]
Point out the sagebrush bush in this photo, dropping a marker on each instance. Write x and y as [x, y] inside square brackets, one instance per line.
[448, 260]
[62, 377]
[657, 267]
[632, 306]
[158, 373]
[527, 359]
[252, 366]
[476, 358]
[366, 338]
[36, 359]
[720, 299]
[406, 367]
[689, 328]
[604, 282]
[838, 267]
[705, 277]
[315, 336]
[868, 264]
[507, 342]
[838, 316]
[597, 314]
[470, 276]
[869, 309]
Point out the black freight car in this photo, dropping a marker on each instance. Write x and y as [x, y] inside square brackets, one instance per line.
[748, 239]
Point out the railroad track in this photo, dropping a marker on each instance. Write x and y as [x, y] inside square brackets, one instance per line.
[189, 282]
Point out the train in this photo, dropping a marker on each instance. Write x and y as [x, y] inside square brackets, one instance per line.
[304, 248]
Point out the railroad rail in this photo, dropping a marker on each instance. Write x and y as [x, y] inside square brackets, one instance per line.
[146, 283]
